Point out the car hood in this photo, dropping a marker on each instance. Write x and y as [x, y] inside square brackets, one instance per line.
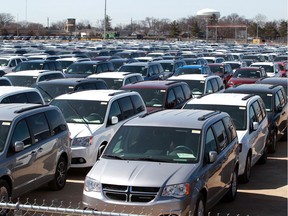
[82, 130]
[140, 173]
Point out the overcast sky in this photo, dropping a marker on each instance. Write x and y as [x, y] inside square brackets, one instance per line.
[122, 11]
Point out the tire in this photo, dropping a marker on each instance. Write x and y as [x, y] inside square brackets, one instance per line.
[200, 206]
[245, 177]
[60, 176]
[5, 194]
[272, 146]
[232, 192]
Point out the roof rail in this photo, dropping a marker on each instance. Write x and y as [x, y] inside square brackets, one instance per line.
[208, 115]
[30, 108]
[149, 113]
[247, 96]
[116, 93]
[274, 86]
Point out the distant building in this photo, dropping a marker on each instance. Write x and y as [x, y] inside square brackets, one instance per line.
[70, 25]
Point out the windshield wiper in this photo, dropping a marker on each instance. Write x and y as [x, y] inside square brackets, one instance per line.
[112, 156]
[148, 159]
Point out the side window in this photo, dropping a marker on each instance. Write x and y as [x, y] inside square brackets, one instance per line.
[21, 133]
[150, 71]
[115, 111]
[98, 69]
[139, 78]
[101, 85]
[18, 61]
[281, 98]
[220, 134]
[277, 101]
[214, 85]
[171, 99]
[133, 79]
[209, 88]
[258, 111]
[210, 142]
[45, 66]
[262, 106]
[12, 63]
[34, 97]
[51, 66]
[156, 69]
[104, 67]
[56, 122]
[39, 127]
[230, 129]
[110, 67]
[179, 94]
[17, 98]
[138, 104]
[187, 91]
[252, 116]
[126, 107]
[220, 83]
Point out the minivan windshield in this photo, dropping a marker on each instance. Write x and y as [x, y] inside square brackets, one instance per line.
[82, 111]
[158, 144]
[4, 130]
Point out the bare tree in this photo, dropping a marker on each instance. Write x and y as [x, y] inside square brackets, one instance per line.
[5, 19]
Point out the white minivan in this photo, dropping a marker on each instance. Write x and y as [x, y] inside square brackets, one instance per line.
[249, 116]
[93, 117]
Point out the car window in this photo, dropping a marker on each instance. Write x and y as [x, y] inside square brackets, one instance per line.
[209, 88]
[115, 111]
[21, 133]
[220, 134]
[51, 66]
[39, 127]
[34, 97]
[126, 107]
[17, 98]
[281, 98]
[252, 116]
[56, 121]
[137, 103]
[258, 111]
[179, 94]
[104, 67]
[187, 91]
[210, 142]
[171, 99]
[132, 79]
[214, 85]
[230, 129]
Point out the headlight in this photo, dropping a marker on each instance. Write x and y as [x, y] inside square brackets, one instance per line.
[178, 190]
[91, 185]
[82, 141]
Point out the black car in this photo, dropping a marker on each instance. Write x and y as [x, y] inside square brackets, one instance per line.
[53, 88]
[275, 100]
[85, 68]
[40, 64]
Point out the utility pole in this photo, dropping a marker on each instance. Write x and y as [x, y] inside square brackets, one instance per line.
[104, 37]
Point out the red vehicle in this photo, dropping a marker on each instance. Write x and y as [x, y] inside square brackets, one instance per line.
[283, 65]
[246, 75]
[223, 70]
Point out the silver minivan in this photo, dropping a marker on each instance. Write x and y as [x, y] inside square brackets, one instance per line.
[171, 162]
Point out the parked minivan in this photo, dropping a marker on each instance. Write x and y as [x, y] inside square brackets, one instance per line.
[34, 149]
[171, 162]
[93, 117]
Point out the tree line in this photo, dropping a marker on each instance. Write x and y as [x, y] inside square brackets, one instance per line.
[192, 27]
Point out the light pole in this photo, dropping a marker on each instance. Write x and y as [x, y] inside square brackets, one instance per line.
[104, 37]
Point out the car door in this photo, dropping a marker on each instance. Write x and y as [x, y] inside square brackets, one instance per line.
[281, 108]
[214, 170]
[24, 165]
[45, 146]
[257, 137]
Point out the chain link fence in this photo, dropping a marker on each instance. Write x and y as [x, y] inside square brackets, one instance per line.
[45, 209]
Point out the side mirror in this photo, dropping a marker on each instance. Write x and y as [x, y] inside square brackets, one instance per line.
[18, 146]
[114, 120]
[255, 126]
[212, 156]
